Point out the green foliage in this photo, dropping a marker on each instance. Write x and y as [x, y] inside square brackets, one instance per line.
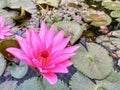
[18, 71]
[36, 83]
[2, 64]
[80, 82]
[99, 18]
[111, 5]
[94, 63]
[8, 85]
[71, 28]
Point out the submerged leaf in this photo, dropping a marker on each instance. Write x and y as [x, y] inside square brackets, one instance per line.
[19, 71]
[94, 63]
[5, 44]
[2, 64]
[71, 28]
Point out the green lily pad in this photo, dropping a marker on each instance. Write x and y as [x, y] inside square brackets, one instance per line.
[8, 85]
[80, 82]
[94, 63]
[53, 3]
[100, 18]
[115, 42]
[10, 14]
[18, 71]
[116, 33]
[71, 28]
[111, 5]
[113, 77]
[2, 64]
[3, 3]
[115, 13]
[27, 5]
[105, 85]
[36, 83]
[6, 44]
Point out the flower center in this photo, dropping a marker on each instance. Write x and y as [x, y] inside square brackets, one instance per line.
[44, 54]
[44, 57]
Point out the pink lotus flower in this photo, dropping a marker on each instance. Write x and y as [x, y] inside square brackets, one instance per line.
[46, 52]
[4, 30]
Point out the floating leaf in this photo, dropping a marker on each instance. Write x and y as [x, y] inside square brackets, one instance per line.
[8, 85]
[115, 42]
[3, 3]
[54, 3]
[60, 85]
[115, 13]
[2, 64]
[80, 82]
[113, 77]
[94, 63]
[39, 84]
[100, 19]
[30, 84]
[27, 5]
[71, 28]
[18, 71]
[116, 33]
[10, 14]
[6, 44]
[105, 85]
[111, 5]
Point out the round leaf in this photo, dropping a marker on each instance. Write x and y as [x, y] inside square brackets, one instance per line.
[80, 82]
[41, 84]
[95, 63]
[71, 28]
[2, 64]
[18, 71]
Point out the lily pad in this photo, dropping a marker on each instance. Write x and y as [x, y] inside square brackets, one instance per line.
[80, 82]
[36, 83]
[3, 3]
[115, 42]
[2, 64]
[27, 5]
[116, 33]
[18, 71]
[71, 28]
[94, 63]
[105, 85]
[100, 18]
[6, 44]
[111, 5]
[115, 13]
[113, 77]
[8, 85]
